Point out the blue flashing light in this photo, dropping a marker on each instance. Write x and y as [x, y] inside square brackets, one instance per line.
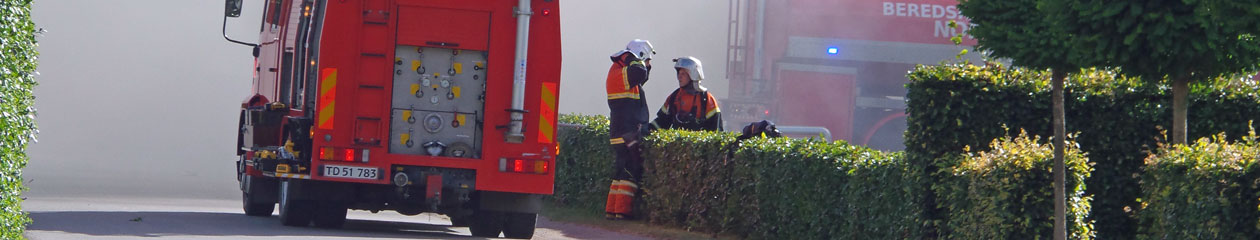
[833, 50]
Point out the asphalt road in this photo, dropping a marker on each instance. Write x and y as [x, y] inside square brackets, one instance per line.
[129, 217]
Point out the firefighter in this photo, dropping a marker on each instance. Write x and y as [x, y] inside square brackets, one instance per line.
[690, 107]
[628, 122]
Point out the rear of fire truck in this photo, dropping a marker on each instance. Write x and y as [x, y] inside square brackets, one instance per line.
[414, 106]
[787, 56]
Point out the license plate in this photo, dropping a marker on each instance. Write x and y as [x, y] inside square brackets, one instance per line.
[350, 172]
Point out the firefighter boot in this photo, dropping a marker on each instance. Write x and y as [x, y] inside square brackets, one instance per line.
[622, 199]
[610, 207]
[626, 203]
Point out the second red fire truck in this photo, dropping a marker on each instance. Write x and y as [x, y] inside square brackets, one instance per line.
[839, 65]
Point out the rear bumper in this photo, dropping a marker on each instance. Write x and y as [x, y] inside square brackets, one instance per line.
[482, 179]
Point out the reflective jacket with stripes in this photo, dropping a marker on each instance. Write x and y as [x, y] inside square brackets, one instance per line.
[626, 101]
[689, 110]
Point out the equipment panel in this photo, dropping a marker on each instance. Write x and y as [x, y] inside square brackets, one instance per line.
[438, 101]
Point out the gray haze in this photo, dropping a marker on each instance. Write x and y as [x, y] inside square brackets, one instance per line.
[592, 30]
[140, 97]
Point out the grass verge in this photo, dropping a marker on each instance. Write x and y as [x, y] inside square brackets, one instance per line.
[636, 227]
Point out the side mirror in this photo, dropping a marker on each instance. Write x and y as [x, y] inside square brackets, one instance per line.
[233, 8]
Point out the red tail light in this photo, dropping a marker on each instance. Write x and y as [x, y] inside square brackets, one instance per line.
[540, 167]
[326, 153]
[347, 154]
[524, 166]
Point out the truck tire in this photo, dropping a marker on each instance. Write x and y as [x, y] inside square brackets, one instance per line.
[409, 210]
[256, 209]
[294, 212]
[253, 201]
[460, 221]
[330, 215]
[520, 225]
[486, 224]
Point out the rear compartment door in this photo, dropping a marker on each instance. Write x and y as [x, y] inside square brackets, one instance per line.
[440, 27]
[821, 96]
[374, 73]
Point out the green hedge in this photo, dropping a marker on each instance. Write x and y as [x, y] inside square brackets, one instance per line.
[768, 189]
[688, 181]
[584, 165]
[17, 126]
[1007, 192]
[1119, 121]
[807, 189]
[803, 189]
[778, 188]
[1209, 190]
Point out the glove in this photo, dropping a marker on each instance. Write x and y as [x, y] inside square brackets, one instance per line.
[631, 138]
[747, 132]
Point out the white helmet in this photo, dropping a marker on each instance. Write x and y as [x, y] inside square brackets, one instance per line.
[641, 49]
[692, 65]
[693, 68]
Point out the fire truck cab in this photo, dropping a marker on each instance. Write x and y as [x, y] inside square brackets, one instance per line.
[441, 106]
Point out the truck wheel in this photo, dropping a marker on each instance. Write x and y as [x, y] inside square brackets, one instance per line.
[256, 209]
[330, 215]
[486, 224]
[409, 210]
[520, 225]
[460, 221]
[252, 202]
[294, 212]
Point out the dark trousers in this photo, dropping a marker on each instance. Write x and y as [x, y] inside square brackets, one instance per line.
[629, 163]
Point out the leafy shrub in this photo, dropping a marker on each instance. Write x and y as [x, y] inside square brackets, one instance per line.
[687, 178]
[778, 188]
[1007, 192]
[1208, 190]
[817, 190]
[763, 188]
[17, 126]
[785, 188]
[1119, 120]
[584, 164]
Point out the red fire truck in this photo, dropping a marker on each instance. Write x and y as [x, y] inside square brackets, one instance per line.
[441, 106]
[835, 64]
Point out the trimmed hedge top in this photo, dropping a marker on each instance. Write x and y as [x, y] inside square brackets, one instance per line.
[1095, 82]
[1209, 154]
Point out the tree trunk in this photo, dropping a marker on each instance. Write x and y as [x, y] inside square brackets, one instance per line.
[1060, 136]
[1181, 88]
